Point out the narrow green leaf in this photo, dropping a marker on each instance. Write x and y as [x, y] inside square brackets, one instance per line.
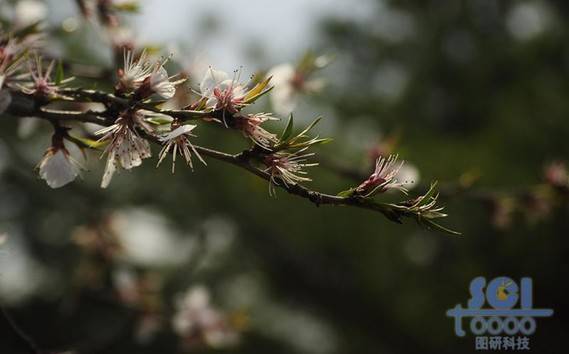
[321, 141]
[288, 129]
[258, 91]
[127, 6]
[59, 75]
[430, 193]
[346, 193]
[27, 30]
[311, 142]
[87, 143]
[438, 227]
[159, 120]
[309, 127]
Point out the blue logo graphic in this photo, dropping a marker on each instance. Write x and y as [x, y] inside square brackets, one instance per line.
[499, 317]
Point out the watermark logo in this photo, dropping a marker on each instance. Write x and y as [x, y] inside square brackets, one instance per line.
[501, 314]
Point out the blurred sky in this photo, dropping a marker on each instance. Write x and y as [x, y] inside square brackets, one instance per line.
[283, 28]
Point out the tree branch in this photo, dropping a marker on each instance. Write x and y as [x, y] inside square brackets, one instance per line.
[242, 160]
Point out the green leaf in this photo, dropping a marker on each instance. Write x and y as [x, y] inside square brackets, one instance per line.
[258, 90]
[87, 143]
[430, 193]
[311, 142]
[321, 141]
[438, 227]
[288, 129]
[127, 6]
[59, 75]
[309, 127]
[306, 63]
[159, 120]
[27, 30]
[347, 193]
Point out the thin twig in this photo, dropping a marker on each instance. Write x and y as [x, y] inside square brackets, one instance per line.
[20, 332]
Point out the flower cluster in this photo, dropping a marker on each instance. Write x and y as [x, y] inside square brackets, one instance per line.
[150, 105]
[126, 140]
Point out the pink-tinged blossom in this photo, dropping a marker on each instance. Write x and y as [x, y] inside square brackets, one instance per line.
[41, 83]
[58, 167]
[160, 83]
[197, 322]
[178, 142]
[556, 174]
[125, 147]
[289, 83]
[288, 168]
[250, 126]
[384, 177]
[222, 92]
[11, 59]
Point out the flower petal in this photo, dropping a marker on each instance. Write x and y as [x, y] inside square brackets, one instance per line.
[211, 79]
[165, 90]
[284, 99]
[57, 169]
[110, 169]
[282, 74]
[181, 130]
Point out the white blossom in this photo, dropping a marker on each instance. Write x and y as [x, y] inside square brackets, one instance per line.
[134, 72]
[221, 91]
[160, 82]
[144, 78]
[409, 175]
[58, 167]
[125, 147]
[27, 12]
[289, 83]
[177, 141]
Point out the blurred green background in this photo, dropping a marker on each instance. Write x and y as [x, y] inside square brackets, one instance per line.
[476, 87]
